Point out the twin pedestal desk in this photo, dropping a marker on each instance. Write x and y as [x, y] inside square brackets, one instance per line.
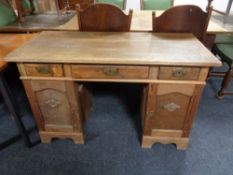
[172, 67]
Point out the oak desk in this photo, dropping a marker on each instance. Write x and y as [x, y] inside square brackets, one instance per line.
[9, 42]
[172, 67]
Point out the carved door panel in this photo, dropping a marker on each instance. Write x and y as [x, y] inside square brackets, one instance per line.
[58, 105]
[55, 109]
[167, 108]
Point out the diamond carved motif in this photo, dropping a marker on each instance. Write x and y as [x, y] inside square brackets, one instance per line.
[171, 107]
[53, 103]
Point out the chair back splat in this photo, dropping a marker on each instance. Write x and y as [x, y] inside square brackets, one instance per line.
[183, 19]
[100, 17]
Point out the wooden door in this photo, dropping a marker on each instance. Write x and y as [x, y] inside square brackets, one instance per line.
[169, 109]
[55, 105]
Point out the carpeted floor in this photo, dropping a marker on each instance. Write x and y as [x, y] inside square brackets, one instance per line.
[113, 140]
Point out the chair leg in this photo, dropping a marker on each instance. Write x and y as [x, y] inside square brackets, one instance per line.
[11, 104]
[225, 83]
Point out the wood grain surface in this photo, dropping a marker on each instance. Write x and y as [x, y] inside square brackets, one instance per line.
[115, 48]
[9, 42]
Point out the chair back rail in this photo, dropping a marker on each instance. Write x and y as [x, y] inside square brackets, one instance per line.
[101, 17]
[183, 19]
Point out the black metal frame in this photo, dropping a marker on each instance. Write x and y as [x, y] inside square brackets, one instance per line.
[13, 109]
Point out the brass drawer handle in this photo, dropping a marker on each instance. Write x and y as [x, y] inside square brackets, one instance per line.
[109, 71]
[179, 72]
[43, 70]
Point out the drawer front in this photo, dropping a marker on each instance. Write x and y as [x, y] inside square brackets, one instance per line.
[44, 70]
[109, 72]
[179, 73]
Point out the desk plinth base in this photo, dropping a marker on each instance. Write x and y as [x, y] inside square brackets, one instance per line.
[181, 143]
[46, 137]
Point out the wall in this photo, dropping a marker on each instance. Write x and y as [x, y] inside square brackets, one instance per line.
[218, 4]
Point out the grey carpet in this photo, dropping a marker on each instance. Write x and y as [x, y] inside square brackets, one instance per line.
[112, 136]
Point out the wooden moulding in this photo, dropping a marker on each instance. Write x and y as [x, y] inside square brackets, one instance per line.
[21, 69]
[203, 74]
[47, 137]
[113, 80]
[181, 142]
[166, 133]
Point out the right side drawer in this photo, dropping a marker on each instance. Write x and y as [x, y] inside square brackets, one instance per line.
[179, 73]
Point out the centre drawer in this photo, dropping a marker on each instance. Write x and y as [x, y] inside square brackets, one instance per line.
[109, 72]
[179, 73]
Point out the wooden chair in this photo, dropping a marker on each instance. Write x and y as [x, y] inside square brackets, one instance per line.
[102, 17]
[224, 49]
[183, 19]
[156, 4]
[120, 3]
[7, 14]
[24, 7]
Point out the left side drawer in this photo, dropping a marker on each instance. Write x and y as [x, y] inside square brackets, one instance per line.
[44, 70]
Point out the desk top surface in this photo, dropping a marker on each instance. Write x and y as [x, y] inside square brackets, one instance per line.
[9, 42]
[131, 48]
[142, 21]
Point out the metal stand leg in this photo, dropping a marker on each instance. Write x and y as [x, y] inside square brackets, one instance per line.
[11, 104]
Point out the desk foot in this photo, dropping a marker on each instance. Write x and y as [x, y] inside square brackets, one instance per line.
[47, 137]
[181, 143]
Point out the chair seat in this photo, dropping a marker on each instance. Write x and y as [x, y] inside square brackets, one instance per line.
[225, 51]
[224, 39]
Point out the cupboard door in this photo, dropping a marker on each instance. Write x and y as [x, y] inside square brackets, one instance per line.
[55, 105]
[167, 107]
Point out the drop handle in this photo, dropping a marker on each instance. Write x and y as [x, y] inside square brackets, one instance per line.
[43, 70]
[179, 72]
[110, 71]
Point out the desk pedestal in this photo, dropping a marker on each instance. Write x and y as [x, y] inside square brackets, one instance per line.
[168, 113]
[61, 105]
[56, 108]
